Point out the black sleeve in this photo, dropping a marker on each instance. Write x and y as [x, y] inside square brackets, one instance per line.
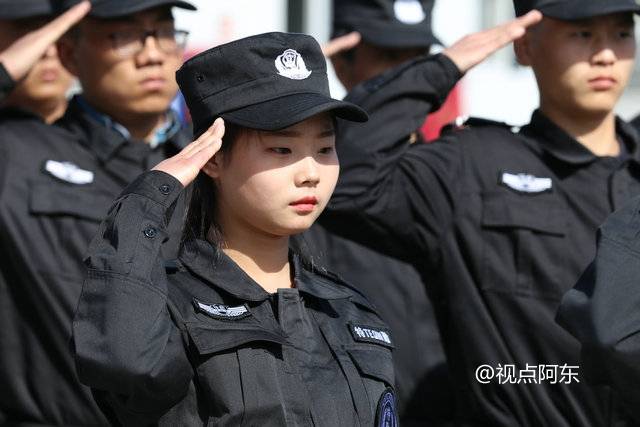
[6, 83]
[603, 310]
[126, 342]
[393, 195]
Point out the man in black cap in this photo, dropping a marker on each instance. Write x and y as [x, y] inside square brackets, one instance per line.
[31, 75]
[369, 38]
[501, 221]
[56, 184]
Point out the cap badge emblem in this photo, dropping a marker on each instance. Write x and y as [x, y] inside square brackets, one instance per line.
[409, 12]
[291, 65]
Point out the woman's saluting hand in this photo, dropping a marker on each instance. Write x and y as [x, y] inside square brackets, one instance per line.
[186, 165]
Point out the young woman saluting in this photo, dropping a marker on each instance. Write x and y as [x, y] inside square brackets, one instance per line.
[242, 330]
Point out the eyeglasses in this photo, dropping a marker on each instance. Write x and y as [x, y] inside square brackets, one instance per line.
[131, 42]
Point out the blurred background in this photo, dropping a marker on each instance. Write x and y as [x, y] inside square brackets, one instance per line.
[500, 89]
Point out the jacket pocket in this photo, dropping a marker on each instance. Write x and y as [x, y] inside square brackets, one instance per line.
[53, 199]
[524, 244]
[373, 362]
[237, 365]
[219, 335]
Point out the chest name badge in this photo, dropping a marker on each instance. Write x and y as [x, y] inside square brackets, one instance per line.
[526, 183]
[221, 311]
[387, 415]
[371, 335]
[68, 172]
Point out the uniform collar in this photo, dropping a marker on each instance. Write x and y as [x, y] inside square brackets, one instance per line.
[204, 260]
[104, 136]
[558, 143]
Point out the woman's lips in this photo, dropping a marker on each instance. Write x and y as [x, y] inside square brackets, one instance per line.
[305, 205]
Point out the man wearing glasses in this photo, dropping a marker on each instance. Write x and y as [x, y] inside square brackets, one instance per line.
[56, 184]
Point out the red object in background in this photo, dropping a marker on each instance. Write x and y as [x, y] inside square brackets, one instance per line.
[450, 110]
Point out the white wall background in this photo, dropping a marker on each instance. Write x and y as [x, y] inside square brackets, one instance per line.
[498, 89]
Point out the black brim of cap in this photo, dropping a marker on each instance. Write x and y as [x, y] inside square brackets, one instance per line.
[286, 111]
[25, 9]
[128, 8]
[396, 36]
[566, 12]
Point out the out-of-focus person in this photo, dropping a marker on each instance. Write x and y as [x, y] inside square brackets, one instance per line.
[56, 184]
[370, 38]
[503, 219]
[31, 75]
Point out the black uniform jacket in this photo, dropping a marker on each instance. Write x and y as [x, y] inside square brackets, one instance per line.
[502, 223]
[425, 395]
[209, 340]
[56, 185]
[603, 310]
[395, 287]
[6, 83]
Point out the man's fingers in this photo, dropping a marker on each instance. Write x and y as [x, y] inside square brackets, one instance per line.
[56, 28]
[341, 44]
[530, 19]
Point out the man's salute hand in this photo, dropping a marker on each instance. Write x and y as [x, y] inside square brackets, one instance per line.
[22, 55]
[471, 50]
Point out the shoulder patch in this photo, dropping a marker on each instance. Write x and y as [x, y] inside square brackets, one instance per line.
[387, 413]
[371, 334]
[221, 311]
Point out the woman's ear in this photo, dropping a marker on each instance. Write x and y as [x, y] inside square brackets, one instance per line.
[213, 167]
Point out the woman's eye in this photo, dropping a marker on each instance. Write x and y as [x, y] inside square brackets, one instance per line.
[280, 150]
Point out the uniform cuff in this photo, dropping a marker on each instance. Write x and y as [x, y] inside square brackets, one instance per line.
[157, 186]
[444, 82]
[6, 82]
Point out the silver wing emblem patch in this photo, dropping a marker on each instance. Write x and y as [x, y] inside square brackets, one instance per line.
[221, 311]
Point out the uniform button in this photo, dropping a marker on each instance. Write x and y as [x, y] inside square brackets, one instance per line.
[165, 189]
[150, 232]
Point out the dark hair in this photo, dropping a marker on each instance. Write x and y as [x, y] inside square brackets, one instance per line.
[200, 222]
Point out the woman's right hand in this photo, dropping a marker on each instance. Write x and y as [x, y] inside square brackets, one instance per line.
[186, 165]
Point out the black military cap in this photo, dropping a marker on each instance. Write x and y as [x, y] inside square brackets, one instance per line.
[570, 10]
[386, 23]
[118, 8]
[18, 9]
[266, 82]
